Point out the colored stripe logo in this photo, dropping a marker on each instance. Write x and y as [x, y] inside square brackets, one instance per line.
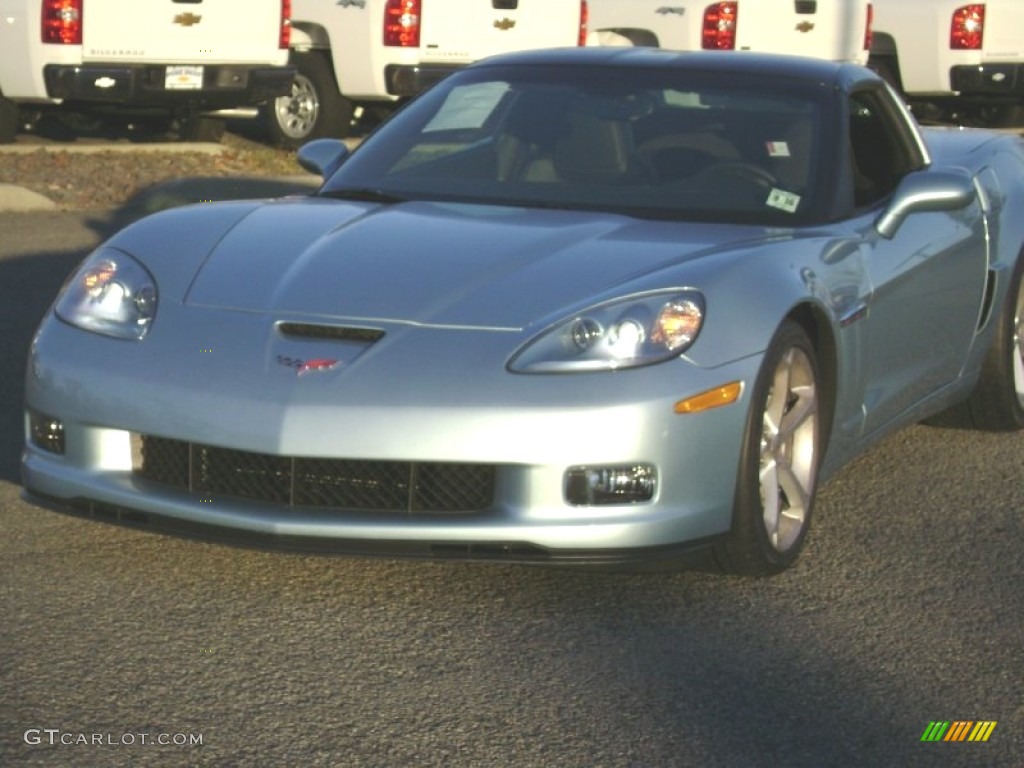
[958, 730]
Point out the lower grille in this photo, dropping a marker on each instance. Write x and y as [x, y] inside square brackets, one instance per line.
[392, 486]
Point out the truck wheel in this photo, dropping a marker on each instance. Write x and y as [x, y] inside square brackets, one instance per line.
[315, 109]
[201, 129]
[8, 120]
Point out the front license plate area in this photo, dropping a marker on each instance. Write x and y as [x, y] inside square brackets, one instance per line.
[183, 78]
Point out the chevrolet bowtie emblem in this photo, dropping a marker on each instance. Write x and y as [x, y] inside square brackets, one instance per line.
[804, 26]
[187, 19]
[504, 24]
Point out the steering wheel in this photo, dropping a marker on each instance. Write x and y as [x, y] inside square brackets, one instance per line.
[742, 170]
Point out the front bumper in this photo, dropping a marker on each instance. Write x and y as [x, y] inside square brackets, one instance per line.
[221, 86]
[205, 390]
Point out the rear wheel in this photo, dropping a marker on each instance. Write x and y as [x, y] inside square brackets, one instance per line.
[778, 470]
[314, 109]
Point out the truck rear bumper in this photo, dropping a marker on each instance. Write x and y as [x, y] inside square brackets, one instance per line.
[409, 80]
[999, 79]
[147, 86]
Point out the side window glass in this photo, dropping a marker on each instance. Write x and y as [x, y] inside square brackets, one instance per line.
[877, 159]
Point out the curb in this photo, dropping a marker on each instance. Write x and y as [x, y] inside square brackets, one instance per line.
[17, 199]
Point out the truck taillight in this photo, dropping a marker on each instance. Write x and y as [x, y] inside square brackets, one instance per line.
[968, 27]
[584, 21]
[402, 23]
[719, 32]
[868, 27]
[285, 37]
[62, 22]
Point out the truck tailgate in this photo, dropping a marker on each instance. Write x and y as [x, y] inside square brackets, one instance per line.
[189, 31]
[461, 31]
[821, 28]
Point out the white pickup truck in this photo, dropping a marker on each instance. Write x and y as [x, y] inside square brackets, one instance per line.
[839, 30]
[196, 60]
[954, 60]
[354, 54]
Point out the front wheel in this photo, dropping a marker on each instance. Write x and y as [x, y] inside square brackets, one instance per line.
[778, 471]
[315, 109]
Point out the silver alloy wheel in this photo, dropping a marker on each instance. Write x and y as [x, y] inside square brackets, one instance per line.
[789, 439]
[297, 112]
[1017, 350]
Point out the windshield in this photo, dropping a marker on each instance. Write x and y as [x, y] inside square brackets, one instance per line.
[644, 142]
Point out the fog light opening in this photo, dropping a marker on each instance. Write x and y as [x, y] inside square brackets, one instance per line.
[46, 432]
[625, 484]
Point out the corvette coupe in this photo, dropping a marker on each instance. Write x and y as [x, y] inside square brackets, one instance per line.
[604, 307]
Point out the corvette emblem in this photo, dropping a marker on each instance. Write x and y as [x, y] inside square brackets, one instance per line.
[187, 19]
[504, 24]
[804, 26]
[302, 367]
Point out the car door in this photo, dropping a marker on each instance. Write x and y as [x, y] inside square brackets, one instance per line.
[927, 281]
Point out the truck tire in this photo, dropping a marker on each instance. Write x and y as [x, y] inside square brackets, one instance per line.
[315, 109]
[8, 120]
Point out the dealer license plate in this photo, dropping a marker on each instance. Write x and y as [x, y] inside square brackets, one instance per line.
[183, 78]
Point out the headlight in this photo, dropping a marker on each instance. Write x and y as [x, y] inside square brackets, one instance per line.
[626, 333]
[111, 294]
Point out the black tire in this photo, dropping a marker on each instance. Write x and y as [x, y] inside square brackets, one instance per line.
[8, 120]
[315, 109]
[198, 128]
[777, 476]
[997, 403]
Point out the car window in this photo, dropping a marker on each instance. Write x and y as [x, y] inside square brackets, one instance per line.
[637, 143]
[877, 154]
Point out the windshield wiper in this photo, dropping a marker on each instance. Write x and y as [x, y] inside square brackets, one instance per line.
[365, 194]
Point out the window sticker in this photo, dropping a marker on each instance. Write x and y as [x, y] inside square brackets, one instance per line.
[783, 200]
[777, 148]
[467, 106]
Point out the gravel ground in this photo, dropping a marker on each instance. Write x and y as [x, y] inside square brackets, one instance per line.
[103, 180]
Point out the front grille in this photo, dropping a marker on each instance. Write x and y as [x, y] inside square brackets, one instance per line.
[350, 484]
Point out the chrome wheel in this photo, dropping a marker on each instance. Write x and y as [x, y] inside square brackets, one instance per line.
[789, 439]
[297, 113]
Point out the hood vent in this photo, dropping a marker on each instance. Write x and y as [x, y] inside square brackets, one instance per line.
[329, 332]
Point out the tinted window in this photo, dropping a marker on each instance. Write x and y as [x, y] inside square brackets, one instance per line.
[648, 142]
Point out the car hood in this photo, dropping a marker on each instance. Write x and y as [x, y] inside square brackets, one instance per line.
[441, 264]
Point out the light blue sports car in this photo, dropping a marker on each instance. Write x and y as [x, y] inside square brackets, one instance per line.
[606, 307]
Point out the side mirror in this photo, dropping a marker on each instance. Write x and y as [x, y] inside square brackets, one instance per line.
[322, 156]
[948, 189]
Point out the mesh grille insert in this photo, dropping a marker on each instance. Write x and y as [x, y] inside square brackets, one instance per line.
[393, 486]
